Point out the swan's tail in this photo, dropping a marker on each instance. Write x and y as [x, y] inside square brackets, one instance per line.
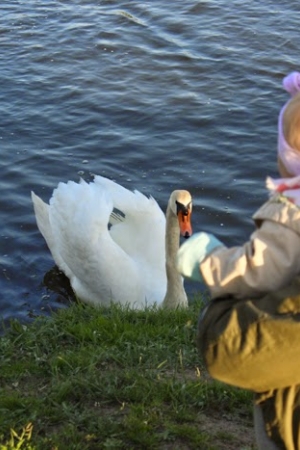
[41, 210]
[42, 215]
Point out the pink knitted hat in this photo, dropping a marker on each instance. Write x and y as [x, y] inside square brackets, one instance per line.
[288, 155]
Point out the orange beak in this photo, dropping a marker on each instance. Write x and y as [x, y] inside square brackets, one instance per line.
[184, 220]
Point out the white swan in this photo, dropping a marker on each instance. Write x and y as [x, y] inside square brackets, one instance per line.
[116, 245]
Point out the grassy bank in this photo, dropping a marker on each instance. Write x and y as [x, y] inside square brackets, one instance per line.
[115, 379]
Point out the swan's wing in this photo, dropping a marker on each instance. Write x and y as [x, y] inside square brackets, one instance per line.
[139, 228]
[138, 223]
[79, 215]
[142, 236]
[127, 203]
[65, 227]
[123, 199]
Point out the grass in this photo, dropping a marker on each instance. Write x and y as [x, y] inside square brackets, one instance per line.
[89, 378]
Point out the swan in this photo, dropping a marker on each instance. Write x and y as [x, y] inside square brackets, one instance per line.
[116, 245]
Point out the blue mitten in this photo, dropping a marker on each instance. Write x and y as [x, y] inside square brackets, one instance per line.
[193, 252]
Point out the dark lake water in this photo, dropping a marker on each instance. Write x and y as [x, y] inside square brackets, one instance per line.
[153, 94]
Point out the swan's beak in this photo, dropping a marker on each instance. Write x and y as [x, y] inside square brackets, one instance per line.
[184, 220]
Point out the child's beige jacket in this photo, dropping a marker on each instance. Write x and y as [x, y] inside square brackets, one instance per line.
[268, 261]
[249, 335]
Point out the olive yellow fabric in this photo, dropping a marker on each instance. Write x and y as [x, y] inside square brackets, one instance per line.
[255, 344]
[249, 334]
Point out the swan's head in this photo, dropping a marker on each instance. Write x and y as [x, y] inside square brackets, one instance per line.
[181, 205]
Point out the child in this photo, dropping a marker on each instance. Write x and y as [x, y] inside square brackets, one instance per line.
[249, 334]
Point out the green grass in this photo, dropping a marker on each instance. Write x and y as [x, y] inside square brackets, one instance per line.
[89, 378]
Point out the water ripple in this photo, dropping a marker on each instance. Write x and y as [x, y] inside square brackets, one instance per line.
[154, 97]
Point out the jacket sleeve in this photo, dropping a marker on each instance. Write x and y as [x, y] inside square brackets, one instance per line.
[268, 261]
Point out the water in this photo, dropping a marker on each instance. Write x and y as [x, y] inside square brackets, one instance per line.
[157, 96]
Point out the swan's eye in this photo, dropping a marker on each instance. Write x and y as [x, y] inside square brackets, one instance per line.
[184, 219]
[183, 209]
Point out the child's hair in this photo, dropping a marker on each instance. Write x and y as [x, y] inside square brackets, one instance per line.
[291, 122]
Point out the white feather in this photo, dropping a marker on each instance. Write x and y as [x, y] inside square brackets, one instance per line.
[123, 263]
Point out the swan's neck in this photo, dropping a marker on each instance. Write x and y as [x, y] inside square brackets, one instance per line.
[175, 295]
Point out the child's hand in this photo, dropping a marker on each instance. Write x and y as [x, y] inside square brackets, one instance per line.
[193, 252]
